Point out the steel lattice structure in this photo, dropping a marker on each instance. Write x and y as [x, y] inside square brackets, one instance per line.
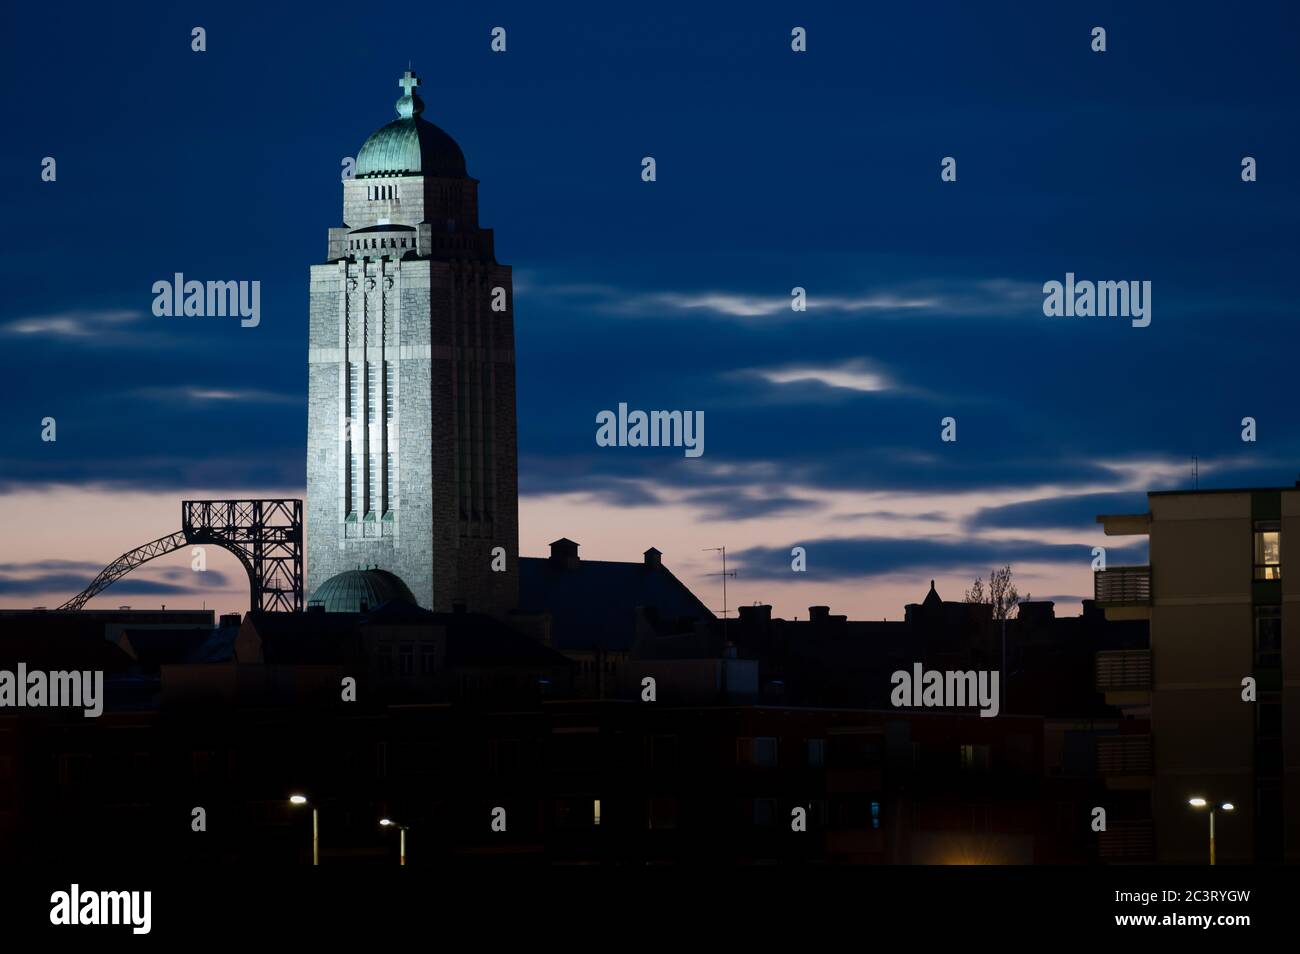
[264, 535]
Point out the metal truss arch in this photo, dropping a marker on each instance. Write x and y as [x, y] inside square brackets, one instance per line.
[264, 535]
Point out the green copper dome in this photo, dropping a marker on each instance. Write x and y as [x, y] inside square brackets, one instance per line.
[357, 591]
[410, 145]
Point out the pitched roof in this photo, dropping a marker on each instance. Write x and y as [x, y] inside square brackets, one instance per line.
[593, 602]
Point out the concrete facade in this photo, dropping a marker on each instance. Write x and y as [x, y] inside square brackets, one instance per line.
[411, 441]
[1221, 579]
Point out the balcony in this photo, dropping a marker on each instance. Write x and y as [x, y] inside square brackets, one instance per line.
[1123, 586]
[1125, 761]
[1131, 841]
[1123, 670]
[1125, 524]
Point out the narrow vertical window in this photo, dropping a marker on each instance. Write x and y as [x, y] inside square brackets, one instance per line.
[487, 416]
[1268, 550]
[373, 450]
[353, 421]
[390, 438]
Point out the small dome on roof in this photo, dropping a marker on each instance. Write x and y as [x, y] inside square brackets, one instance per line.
[356, 591]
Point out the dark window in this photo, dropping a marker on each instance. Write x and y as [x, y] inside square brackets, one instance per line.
[816, 753]
[1270, 719]
[1268, 636]
[975, 759]
[759, 751]
[506, 755]
[662, 812]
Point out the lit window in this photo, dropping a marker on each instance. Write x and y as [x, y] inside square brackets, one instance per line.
[1268, 550]
[595, 812]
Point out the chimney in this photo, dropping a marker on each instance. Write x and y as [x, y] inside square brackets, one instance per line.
[564, 552]
[653, 557]
[1035, 613]
[759, 613]
[818, 614]
[228, 620]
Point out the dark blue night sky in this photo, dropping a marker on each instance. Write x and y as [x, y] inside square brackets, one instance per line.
[775, 170]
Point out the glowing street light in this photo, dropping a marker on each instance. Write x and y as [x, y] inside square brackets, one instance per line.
[299, 799]
[401, 834]
[1198, 802]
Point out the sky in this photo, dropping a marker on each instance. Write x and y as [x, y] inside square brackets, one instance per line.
[775, 169]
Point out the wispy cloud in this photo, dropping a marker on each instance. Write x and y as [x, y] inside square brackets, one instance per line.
[755, 306]
[864, 557]
[939, 296]
[216, 395]
[855, 375]
[71, 324]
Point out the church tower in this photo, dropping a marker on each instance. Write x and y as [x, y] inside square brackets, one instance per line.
[411, 451]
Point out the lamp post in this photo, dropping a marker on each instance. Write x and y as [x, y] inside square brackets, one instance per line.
[401, 835]
[1199, 802]
[315, 826]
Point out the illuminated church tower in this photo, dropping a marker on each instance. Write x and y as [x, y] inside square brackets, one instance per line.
[411, 453]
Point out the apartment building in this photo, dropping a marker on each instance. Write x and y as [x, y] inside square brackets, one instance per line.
[1223, 608]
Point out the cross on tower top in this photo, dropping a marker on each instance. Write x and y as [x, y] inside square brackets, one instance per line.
[410, 104]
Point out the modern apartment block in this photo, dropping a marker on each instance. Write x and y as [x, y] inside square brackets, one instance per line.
[1222, 605]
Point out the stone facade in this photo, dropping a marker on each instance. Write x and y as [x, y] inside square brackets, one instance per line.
[411, 442]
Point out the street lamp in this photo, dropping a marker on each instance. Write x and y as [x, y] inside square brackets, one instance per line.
[1198, 802]
[401, 834]
[297, 799]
